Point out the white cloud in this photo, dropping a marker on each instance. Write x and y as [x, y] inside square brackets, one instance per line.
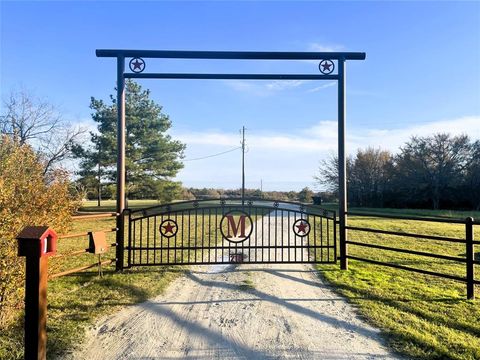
[321, 87]
[292, 159]
[264, 88]
[325, 47]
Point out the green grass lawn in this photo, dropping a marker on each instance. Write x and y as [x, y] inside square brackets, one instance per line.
[422, 316]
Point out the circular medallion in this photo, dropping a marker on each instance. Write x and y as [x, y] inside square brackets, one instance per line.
[326, 66]
[168, 228]
[137, 65]
[301, 227]
[236, 226]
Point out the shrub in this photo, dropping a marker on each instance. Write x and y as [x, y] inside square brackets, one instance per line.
[27, 197]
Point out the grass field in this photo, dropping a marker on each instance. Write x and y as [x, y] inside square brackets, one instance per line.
[422, 316]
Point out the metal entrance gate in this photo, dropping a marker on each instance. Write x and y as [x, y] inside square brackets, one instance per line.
[231, 231]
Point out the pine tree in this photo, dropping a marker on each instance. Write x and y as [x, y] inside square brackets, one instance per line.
[153, 158]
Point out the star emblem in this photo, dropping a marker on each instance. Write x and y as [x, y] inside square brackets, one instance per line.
[137, 65]
[326, 66]
[301, 227]
[168, 228]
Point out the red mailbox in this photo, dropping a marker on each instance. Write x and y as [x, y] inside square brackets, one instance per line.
[37, 240]
[36, 243]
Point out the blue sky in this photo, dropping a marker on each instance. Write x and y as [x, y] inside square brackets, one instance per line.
[422, 74]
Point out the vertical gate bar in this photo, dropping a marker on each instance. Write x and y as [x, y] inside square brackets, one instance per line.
[282, 235]
[314, 238]
[342, 165]
[182, 251]
[335, 237]
[196, 235]
[268, 244]
[250, 243]
[328, 240]
[141, 240]
[216, 235]
[148, 237]
[120, 163]
[209, 232]
[175, 242]
[307, 245]
[134, 239]
[155, 239]
[225, 258]
[168, 243]
[129, 258]
[295, 242]
[276, 243]
[321, 238]
[470, 259]
[203, 235]
[263, 237]
[161, 241]
[189, 240]
[256, 239]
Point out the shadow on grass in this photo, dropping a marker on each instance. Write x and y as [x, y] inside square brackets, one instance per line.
[406, 306]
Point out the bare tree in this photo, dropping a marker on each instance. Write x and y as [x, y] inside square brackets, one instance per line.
[34, 121]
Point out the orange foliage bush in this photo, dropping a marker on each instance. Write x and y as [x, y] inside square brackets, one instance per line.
[27, 197]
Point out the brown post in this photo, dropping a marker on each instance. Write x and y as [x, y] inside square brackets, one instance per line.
[470, 258]
[36, 243]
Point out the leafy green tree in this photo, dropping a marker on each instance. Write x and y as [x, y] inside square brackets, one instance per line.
[305, 195]
[152, 156]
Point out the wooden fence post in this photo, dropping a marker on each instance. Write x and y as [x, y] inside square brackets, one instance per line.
[36, 243]
[470, 258]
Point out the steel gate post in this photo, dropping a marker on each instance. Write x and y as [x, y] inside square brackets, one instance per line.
[120, 162]
[342, 165]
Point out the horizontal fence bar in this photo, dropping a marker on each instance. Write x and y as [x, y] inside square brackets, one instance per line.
[230, 262]
[94, 216]
[402, 267]
[138, 215]
[197, 76]
[67, 236]
[230, 55]
[418, 236]
[232, 247]
[81, 268]
[406, 251]
[75, 253]
[404, 217]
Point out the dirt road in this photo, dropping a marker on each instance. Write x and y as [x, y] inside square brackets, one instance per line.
[238, 312]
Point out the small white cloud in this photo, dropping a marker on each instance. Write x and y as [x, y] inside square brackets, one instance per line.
[321, 87]
[264, 88]
[318, 47]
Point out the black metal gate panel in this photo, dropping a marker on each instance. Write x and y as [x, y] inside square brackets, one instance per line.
[224, 231]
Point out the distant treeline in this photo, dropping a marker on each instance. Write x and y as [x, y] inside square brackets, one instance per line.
[304, 195]
[438, 171]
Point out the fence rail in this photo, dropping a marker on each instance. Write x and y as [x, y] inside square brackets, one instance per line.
[468, 240]
[86, 250]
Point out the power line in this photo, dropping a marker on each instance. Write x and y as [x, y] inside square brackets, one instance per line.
[209, 156]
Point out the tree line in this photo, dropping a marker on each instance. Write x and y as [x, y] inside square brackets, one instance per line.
[439, 171]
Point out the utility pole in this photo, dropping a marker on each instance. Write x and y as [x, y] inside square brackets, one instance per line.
[243, 165]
